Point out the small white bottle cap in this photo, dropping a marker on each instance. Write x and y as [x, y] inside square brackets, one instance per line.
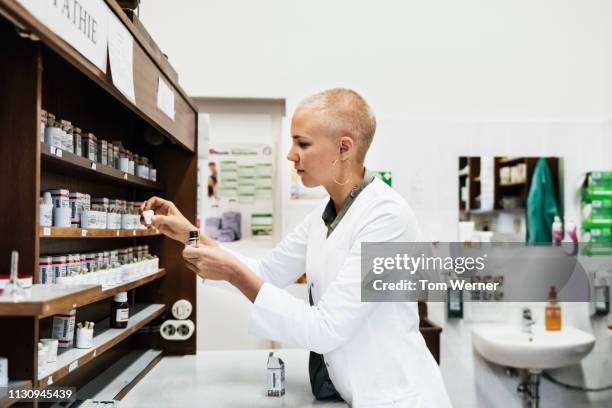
[121, 297]
[148, 216]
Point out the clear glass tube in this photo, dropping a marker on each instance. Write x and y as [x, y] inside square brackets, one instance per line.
[13, 290]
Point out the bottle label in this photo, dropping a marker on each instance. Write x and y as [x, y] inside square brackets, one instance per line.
[122, 315]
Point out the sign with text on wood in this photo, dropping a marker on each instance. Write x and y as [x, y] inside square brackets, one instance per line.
[81, 23]
[121, 55]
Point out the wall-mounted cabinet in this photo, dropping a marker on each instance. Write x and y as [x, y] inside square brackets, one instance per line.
[494, 186]
[40, 71]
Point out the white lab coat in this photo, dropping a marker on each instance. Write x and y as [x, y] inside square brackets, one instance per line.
[375, 354]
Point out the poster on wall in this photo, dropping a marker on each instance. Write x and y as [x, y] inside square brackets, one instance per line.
[240, 180]
[385, 176]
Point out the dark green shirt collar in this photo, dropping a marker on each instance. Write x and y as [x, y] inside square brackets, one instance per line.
[330, 217]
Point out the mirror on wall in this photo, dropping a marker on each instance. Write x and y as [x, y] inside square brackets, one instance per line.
[497, 195]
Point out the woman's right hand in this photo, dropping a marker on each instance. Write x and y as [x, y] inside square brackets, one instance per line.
[168, 219]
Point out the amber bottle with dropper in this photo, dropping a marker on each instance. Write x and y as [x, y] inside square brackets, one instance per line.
[553, 311]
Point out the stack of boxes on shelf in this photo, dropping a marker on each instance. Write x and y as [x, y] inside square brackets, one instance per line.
[107, 268]
[597, 233]
[61, 134]
[597, 213]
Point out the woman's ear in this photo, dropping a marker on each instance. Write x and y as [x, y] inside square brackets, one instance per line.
[346, 147]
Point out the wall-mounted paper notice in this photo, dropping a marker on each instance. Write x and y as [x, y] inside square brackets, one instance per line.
[82, 24]
[165, 98]
[121, 54]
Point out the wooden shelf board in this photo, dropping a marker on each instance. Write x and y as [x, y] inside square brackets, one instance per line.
[65, 232]
[508, 160]
[47, 300]
[5, 401]
[105, 338]
[68, 163]
[119, 378]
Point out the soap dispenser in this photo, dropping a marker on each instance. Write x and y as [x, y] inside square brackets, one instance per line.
[454, 304]
[601, 296]
[553, 311]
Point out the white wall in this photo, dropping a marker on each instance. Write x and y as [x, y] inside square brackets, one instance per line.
[446, 78]
[228, 48]
[233, 121]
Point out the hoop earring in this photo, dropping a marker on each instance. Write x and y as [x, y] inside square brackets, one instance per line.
[334, 177]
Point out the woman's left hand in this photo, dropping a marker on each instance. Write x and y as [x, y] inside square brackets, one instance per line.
[211, 262]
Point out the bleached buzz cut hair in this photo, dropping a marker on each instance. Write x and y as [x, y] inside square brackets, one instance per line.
[348, 112]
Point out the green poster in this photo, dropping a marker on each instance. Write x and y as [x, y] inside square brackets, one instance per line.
[385, 176]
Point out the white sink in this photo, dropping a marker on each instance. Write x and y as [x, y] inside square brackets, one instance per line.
[509, 346]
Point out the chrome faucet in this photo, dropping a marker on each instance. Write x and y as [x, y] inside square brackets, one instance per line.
[528, 321]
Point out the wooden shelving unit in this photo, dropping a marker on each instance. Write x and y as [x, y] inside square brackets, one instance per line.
[40, 70]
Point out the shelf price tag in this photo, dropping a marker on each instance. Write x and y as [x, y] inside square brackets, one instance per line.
[93, 166]
[50, 381]
[52, 150]
[73, 365]
[46, 231]
[58, 152]
[125, 176]
[134, 232]
[118, 232]
[83, 232]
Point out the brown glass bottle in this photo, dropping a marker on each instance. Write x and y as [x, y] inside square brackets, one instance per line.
[120, 311]
[553, 311]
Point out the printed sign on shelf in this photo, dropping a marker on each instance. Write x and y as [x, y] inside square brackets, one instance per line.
[165, 98]
[82, 24]
[121, 55]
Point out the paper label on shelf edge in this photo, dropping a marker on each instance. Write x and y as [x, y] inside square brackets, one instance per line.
[93, 166]
[52, 150]
[73, 365]
[46, 231]
[121, 57]
[165, 98]
[118, 232]
[134, 232]
[89, 38]
[125, 176]
[58, 152]
[50, 381]
[83, 232]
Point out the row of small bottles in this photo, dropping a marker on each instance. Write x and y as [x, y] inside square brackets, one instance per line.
[61, 134]
[105, 268]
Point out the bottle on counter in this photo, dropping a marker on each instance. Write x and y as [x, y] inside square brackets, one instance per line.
[553, 311]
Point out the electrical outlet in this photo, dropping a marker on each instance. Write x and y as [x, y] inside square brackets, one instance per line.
[181, 309]
[177, 329]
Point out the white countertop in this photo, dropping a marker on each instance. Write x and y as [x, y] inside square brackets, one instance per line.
[224, 379]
